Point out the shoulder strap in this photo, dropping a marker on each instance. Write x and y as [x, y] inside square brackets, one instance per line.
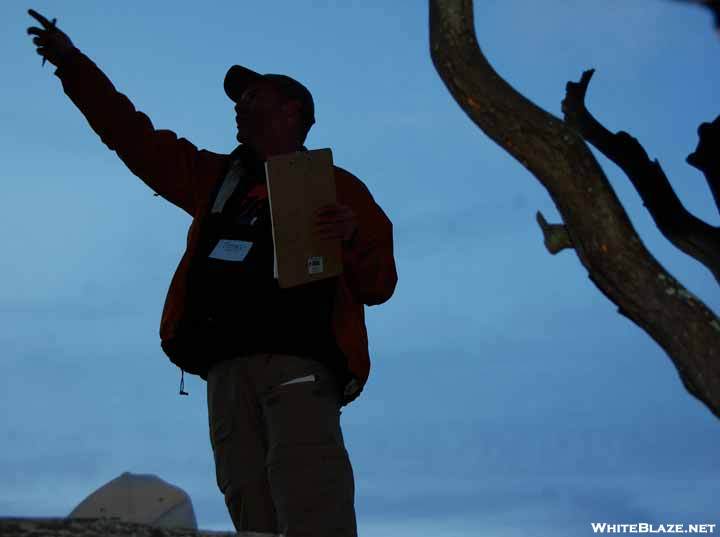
[236, 173]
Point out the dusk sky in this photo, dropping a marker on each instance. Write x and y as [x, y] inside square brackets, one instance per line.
[507, 396]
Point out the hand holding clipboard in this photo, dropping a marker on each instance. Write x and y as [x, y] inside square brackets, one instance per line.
[307, 222]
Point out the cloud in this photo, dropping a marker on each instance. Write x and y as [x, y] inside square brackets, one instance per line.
[50, 465]
[70, 308]
[527, 506]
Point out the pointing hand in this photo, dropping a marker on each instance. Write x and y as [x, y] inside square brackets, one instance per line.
[53, 44]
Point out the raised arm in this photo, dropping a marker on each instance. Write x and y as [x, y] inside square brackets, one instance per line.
[168, 165]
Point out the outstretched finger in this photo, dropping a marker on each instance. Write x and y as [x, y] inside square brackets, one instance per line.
[42, 20]
[36, 31]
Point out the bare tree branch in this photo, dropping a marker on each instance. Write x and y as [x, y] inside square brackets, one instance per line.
[555, 235]
[597, 225]
[687, 232]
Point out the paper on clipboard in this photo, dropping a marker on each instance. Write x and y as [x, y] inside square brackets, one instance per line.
[298, 184]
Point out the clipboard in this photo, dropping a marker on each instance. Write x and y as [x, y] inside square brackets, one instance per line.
[298, 184]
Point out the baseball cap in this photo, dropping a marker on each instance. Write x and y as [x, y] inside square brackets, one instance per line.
[238, 78]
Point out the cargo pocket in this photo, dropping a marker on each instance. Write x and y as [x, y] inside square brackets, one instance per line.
[220, 422]
[220, 435]
[290, 375]
[320, 385]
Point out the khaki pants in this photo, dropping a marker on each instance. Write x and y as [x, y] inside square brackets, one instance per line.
[279, 453]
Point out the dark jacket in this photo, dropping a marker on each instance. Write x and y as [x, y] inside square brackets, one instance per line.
[189, 178]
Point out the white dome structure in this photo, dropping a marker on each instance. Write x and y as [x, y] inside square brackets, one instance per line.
[139, 498]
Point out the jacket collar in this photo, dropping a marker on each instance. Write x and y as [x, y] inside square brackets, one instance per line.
[245, 164]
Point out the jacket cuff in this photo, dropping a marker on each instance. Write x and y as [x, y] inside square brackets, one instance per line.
[68, 61]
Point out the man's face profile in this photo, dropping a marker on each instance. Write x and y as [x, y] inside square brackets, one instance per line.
[264, 113]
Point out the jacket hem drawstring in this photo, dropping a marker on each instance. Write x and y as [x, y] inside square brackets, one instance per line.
[182, 383]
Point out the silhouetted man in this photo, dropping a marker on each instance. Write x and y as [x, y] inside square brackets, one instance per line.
[279, 363]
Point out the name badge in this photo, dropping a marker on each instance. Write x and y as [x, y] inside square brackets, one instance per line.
[231, 250]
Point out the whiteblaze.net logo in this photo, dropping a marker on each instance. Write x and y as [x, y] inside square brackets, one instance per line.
[644, 527]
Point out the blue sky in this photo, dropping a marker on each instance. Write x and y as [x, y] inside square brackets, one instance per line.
[507, 395]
